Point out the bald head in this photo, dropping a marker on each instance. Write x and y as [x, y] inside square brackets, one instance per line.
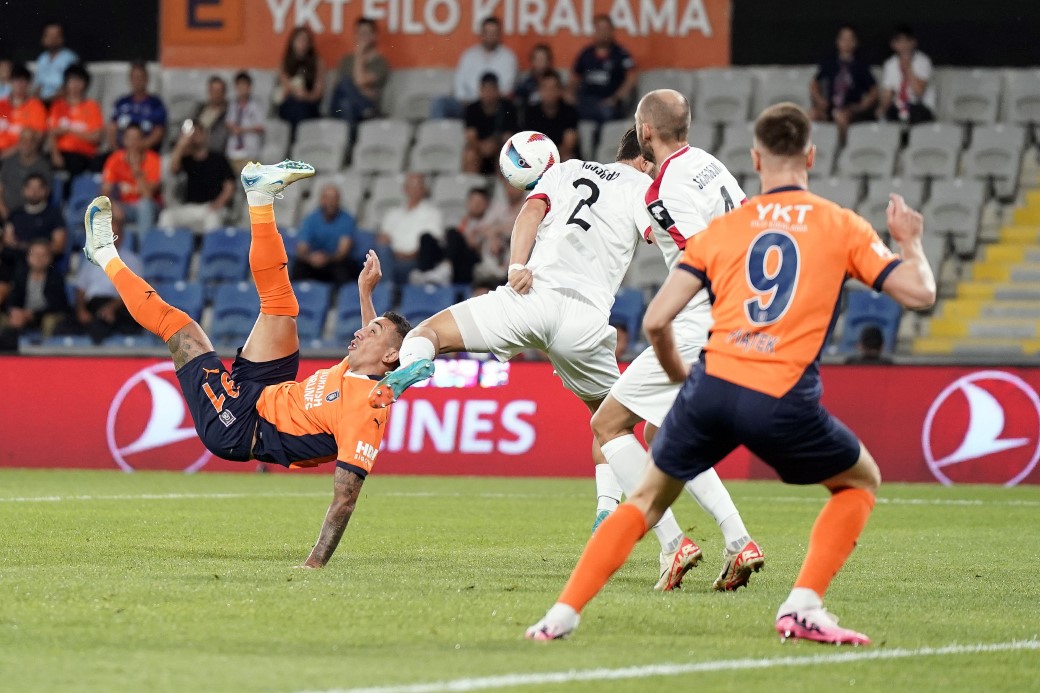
[667, 113]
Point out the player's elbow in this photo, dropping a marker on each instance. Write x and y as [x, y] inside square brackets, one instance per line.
[654, 325]
[916, 297]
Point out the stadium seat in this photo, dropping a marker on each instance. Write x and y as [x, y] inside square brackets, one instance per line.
[438, 147]
[276, 141]
[348, 308]
[609, 138]
[628, 310]
[932, 151]
[323, 143]
[703, 136]
[224, 256]
[587, 130]
[363, 242]
[313, 298]
[408, 93]
[870, 308]
[723, 96]
[290, 238]
[647, 270]
[969, 96]
[875, 205]
[1022, 97]
[870, 150]
[183, 91]
[68, 341]
[825, 137]
[955, 208]
[735, 150]
[387, 193]
[778, 84]
[382, 145]
[85, 187]
[145, 340]
[184, 295]
[840, 191]
[995, 155]
[351, 191]
[264, 83]
[682, 81]
[235, 309]
[420, 302]
[166, 254]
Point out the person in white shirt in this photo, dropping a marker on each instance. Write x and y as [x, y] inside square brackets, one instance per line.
[487, 56]
[413, 229]
[52, 63]
[907, 92]
[245, 125]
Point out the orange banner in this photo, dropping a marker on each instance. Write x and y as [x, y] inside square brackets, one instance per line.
[433, 33]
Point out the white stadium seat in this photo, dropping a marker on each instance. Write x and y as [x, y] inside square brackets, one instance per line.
[1022, 97]
[408, 92]
[323, 143]
[702, 136]
[387, 193]
[874, 206]
[382, 145]
[587, 138]
[825, 137]
[933, 151]
[955, 208]
[276, 141]
[969, 96]
[996, 154]
[438, 146]
[609, 139]
[735, 149]
[779, 84]
[841, 191]
[682, 81]
[350, 186]
[723, 96]
[870, 150]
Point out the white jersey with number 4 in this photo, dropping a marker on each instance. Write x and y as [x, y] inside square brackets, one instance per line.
[692, 188]
[587, 239]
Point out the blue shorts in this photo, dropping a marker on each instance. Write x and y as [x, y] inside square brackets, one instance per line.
[223, 403]
[793, 434]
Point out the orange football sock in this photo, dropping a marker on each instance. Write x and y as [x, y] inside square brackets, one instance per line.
[833, 537]
[607, 550]
[270, 265]
[147, 307]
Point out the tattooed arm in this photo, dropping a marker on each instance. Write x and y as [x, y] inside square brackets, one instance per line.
[347, 488]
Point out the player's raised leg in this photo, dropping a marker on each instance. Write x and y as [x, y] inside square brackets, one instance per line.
[439, 334]
[274, 336]
[182, 335]
[831, 542]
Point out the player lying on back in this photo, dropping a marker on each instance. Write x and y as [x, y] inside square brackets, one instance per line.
[775, 269]
[257, 411]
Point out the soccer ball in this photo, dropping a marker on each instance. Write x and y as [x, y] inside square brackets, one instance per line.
[526, 157]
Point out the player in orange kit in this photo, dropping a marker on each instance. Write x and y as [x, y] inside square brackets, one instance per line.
[257, 410]
[774, 270]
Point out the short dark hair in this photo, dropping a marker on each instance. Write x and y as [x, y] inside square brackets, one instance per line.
[903, 31]
[20, 71]
[37, 176]
[139, 65]
[403, 327]
[553, 75]
[479, 190]
[846, 25]
[783, 130]
[366, 21]
[132, 125]
[871, 337]
[77, 70]
[603, 18]
[542, 47]
[629, 148]
[216, 78]
[243, 76]
[491, 20]
[489, 78]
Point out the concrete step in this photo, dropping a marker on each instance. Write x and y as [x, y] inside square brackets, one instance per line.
[985, 328]
[969, 309]
[975, 346]
[1021, 233]
[1001, 291]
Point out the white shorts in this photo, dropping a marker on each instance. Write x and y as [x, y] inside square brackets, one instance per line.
[577, 337]
[644, 388]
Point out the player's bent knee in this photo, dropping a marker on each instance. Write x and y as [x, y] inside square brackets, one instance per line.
[612, 420]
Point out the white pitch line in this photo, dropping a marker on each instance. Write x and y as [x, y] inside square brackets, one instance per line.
[960, 502]
[158, 496]
[654, 670]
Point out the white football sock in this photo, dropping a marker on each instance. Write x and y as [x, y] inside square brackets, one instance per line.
[259, 198]
[608, 490]
[106, 255]
[415, 348]
[628, 460]
[801, 598]
[560, 614]
[708, 491]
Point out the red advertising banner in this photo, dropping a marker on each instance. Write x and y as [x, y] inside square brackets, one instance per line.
[953, 425]
[433, 33]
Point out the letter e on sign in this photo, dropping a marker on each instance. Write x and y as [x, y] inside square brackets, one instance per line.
[195, 22]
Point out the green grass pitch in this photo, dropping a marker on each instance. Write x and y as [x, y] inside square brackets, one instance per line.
[167, 582]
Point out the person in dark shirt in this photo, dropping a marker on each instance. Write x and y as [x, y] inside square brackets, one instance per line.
[36, 220]
[604, 76]
[490, 121]
[209, 184]
[526, 92]
[38, 297]
[553, 117]
[844, 90]
[145, 110]
[871, 344]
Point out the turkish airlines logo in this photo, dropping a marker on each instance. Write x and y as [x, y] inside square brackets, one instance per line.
[983, 428]
[149, 427]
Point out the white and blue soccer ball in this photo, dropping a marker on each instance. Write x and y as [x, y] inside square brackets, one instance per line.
[526, 157]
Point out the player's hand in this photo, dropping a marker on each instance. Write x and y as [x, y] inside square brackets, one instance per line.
[904, 223]
[371, 273]
[521, 280]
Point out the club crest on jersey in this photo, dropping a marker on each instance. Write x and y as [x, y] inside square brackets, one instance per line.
[332, 396]
[660, 213]
[226, 418]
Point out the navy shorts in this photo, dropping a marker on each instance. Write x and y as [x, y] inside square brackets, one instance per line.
[793, 434]
[223, 403]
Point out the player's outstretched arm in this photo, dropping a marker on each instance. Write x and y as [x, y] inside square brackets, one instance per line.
[521, 243]
[367, 281]
[912, 282]
[347, 487]
[676, 292]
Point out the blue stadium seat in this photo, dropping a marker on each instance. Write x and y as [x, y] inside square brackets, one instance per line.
[132, 341]
[166, 254]
[85, 187]
[290, 237]
[628, 310]
[314, 304]
[348, 309]
[224, 256]
[235, 308]
[420, 302]
[870, 308]
[184, 295]
[70, 340]
[363, 242]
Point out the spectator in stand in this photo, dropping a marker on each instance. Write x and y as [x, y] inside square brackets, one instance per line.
[17, 166]
[301, 79]
[487, 56]
[907, 94]
[20, 111]
[844, 90]
[554, 117]
[526, 93]
[139, 108]
[490, 121]
[37, 299]
[212, 115]
[76, 126]
[415, 226]
[870, 345]
[504, 208]
[477, 250]
[99, 311]
[604, 76]
[325, 242]
[35, 221]
[52, 63]
[5, 77]
[361, 77]
[132, 176]
[209, 184]
[245, 125]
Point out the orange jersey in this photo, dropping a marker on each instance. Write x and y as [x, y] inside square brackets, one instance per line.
[31, 114]
[78, 120]
[775, 269]
[323, 418]
[117, 172]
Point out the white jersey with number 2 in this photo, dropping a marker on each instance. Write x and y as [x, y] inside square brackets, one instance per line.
[587, 239]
